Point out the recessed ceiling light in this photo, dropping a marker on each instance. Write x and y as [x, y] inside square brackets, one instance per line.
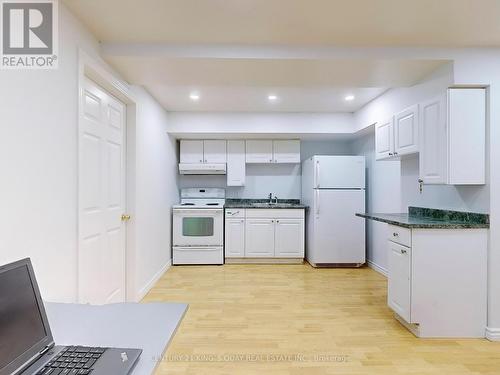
[194, 96]
[272, 97]
[349, 98]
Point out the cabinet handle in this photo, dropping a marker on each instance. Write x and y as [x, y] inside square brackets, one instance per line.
[395, 234]
[390, 154]
[277, 221]
[201, 161]
[396, 153]
[270, 160]
[403, 251]
[242, 220]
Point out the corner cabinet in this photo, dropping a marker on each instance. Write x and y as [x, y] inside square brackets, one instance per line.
[260, 234]
[398, 135]
[384, 139]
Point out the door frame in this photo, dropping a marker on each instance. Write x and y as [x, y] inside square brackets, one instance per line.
[98, 72]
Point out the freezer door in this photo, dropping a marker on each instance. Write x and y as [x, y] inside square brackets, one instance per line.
[339, 172]
[339, 235]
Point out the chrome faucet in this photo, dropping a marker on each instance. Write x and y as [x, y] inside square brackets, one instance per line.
[271, 199]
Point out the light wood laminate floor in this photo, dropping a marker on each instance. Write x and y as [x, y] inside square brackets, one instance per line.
[294, 319]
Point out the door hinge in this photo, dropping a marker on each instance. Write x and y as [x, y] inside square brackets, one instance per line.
[45, 350]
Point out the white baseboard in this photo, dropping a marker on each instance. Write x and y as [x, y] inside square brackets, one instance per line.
[493, 334]
[377, 268]
[146, 288]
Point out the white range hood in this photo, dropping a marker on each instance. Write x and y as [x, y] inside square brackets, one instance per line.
[202, 168]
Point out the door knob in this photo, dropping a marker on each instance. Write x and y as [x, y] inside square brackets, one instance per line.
[125, 217]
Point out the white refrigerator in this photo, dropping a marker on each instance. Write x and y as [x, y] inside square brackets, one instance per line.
[334, 189]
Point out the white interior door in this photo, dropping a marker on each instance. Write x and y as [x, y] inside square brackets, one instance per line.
[101, 193]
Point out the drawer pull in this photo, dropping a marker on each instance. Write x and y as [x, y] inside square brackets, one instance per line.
[403, 251]
[395, 234]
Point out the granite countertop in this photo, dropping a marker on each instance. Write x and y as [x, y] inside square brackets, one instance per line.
[429, 218]
[263, 203]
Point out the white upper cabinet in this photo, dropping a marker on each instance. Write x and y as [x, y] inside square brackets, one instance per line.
[191, 151]
[466, 136]
[214, 151]
[259, 151]
[278, 151]
[406, 131]
[236, 170]
[286, 151]
[453, 138]
[198, 151]
[384, 139]
[433, 144]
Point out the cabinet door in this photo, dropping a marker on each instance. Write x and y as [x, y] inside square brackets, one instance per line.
[406, 131]
[384, 139]
[432, 140]
[191, 151]
[286, 151]
[259, 238]
[467, 136]
[234, 244]
[259, 151]
[289, 238]
[214, 151]
[236, 163]
[399, 269]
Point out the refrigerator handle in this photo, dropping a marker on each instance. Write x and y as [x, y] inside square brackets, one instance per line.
[316, 174]
[317, 202]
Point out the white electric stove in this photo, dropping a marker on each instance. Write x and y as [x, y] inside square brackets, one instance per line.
[198, 227]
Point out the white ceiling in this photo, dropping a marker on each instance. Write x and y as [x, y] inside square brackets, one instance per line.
[295, 22]
[136, 34]
[254, 99]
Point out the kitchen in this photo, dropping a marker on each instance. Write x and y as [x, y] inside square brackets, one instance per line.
[322, 220]
[310, 186]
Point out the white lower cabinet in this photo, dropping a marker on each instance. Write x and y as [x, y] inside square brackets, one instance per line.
[235, 238]
[289, 238]
[259, 238]
[437, 280]
[264, 233]
[398, 293]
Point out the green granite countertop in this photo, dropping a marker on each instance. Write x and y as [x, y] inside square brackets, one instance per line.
[263, 203]
[428, 218]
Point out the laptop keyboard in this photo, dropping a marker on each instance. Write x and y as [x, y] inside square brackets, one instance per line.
[73, 360]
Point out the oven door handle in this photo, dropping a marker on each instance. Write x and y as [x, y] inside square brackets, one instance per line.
[209, 211]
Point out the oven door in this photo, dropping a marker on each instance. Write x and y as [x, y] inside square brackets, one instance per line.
[197, 227]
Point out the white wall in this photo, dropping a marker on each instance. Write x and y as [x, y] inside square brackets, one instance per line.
[383, 194]
[284, 180]
[461, 198]
[38, 160]
[155, 191]
[214, 123]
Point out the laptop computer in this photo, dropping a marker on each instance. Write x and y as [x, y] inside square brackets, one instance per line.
[26, 343]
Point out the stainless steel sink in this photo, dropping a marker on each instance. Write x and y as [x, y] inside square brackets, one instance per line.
[270, 205]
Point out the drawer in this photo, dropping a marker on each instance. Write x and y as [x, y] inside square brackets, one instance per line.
[275, 213]
[235, 212]
[399, 235]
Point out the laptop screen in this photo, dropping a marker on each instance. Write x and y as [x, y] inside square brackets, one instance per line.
[21, 323]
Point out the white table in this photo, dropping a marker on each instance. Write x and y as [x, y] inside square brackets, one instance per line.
[148, 326]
